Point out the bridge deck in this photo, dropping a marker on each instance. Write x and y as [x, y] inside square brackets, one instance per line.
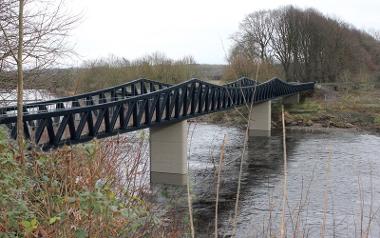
[136, 105]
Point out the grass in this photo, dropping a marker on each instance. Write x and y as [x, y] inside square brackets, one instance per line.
[285, 189]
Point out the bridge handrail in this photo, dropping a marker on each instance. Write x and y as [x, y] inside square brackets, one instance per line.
[84, 95]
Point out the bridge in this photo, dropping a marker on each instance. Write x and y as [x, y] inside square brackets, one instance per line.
[144, 103]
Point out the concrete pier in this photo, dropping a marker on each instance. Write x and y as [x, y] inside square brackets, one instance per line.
[292, 99]
[168, 154]
[261, 120]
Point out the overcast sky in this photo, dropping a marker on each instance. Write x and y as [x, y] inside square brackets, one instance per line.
[201, 28]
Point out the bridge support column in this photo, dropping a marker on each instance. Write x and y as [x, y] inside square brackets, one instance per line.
[168, 154]
[261, 120]
[293, 99]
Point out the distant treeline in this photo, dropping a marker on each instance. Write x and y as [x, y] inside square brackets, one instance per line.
[307, 45]
[102, 73]
[106, 72]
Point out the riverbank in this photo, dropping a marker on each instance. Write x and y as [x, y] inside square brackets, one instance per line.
[349, 109]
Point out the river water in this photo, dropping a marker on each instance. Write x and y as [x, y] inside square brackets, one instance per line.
[8, 98]
[333, 183]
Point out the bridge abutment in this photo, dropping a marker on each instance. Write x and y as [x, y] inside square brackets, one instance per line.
[261, 120]
[168, 154]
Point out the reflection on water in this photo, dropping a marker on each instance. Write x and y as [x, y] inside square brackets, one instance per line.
[332, 179]
[8, 98]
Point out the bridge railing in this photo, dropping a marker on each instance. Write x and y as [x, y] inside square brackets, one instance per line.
[133, 88]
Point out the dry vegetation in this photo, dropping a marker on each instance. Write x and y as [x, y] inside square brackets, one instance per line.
[95, 190]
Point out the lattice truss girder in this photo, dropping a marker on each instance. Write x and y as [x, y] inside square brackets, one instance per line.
[136, 105]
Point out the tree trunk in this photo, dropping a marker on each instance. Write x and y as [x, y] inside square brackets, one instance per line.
[20, 82]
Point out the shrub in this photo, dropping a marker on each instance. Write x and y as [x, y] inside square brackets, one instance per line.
[73, 192]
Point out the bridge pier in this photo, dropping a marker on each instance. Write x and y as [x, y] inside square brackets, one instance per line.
[168, 154]
[261, 120]
[292, 99]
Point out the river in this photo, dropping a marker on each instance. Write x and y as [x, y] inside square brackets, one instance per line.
[333, 179]
[8, 98]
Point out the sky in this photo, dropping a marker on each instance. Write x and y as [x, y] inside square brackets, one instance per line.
[177, 28]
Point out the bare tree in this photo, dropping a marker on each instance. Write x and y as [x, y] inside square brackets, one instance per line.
[282, 42]
[33, 34]
[377, 35]
[255, 35]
